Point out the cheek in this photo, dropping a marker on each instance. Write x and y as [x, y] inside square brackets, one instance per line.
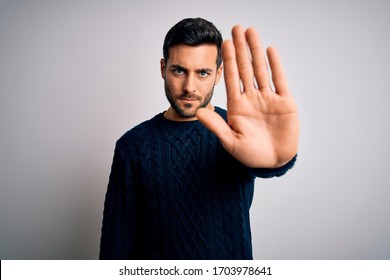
[206, 86]
[175, 85]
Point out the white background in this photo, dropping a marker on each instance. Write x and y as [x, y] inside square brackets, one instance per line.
[75, 75]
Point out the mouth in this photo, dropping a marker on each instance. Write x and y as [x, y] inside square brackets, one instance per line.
[189, 98]
[186, 99]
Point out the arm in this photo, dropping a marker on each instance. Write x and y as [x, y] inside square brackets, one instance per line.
[263, 127]
[272, 172]
[119, 220]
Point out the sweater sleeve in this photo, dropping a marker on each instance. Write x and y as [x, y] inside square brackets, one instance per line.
[273, 172]
[119, 216]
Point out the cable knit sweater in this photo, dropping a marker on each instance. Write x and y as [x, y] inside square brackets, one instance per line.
[175, 193]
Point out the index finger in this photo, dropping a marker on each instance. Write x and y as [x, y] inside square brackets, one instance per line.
[244, 63]
[230, 71]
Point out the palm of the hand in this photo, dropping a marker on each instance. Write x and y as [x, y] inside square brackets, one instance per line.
[263, 127]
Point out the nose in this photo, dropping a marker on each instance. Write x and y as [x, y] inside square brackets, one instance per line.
[189, 84]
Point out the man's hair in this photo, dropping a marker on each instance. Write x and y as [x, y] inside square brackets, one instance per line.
[193, 32]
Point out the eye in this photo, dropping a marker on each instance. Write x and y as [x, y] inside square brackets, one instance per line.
[178, 71]
[203, 73]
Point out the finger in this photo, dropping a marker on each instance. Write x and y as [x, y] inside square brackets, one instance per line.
[260, 67]
[278, 76]
[217, 125]
[232, 78]
[244, 63]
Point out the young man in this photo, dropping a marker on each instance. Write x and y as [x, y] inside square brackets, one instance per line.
[182, 183]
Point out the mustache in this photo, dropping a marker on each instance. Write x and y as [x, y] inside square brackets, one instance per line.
[190, 95]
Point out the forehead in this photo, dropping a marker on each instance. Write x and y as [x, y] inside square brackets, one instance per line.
[193, 56]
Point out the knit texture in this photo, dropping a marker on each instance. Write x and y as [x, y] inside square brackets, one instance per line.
[175, 193]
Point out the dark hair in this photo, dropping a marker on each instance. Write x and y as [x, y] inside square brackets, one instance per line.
[193, 32]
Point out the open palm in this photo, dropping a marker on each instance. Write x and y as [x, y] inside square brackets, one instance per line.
[263, 126]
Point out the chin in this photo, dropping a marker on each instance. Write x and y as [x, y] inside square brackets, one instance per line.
[187, 113]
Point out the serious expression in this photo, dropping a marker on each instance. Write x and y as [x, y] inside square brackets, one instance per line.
[190, 75]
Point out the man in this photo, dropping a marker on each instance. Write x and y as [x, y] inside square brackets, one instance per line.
[181, 183]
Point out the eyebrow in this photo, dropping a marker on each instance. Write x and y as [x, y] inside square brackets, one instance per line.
[178, 66]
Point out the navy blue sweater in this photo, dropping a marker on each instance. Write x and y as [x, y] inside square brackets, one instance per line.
[175, 193]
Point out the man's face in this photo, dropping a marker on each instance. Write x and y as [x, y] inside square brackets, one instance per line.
[190, 75]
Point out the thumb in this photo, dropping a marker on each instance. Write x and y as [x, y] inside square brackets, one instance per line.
[217, 125]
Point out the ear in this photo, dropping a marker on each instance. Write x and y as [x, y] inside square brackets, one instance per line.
[219, 74]
[162, 68]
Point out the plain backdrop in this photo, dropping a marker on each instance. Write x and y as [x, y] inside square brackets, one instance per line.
[76, 75]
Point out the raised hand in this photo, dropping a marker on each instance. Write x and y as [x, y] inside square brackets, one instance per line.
[263, 126]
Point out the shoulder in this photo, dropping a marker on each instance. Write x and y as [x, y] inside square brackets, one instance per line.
[139, 132]
[221, 112]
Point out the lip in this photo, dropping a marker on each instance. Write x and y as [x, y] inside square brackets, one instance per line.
[189, 99]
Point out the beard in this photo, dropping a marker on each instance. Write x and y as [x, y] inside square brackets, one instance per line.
[188, 110]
